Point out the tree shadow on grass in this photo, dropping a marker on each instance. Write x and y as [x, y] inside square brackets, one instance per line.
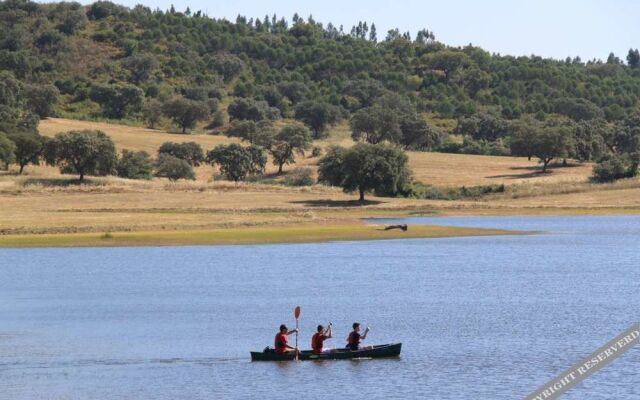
[57, 182]
[273, 175]
[535, 171]
[521, 176]
[550, 166]
[8, 173]
[336, 203]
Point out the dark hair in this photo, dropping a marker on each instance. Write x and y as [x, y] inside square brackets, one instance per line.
[356, 324]
[320, 328]
[283, 327]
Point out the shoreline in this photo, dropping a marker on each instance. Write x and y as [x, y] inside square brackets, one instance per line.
[348, 224]
[344, 229]
[283, 234]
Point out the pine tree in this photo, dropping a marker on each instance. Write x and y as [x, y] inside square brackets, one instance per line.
[633, 58]
[424, 36]
[283, 24]
[266, 24]
[612, 59]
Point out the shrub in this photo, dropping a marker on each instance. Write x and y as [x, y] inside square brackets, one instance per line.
[42, 99]
[190, 152]
[316, 151]
[185, 113]
[450, 146]
[134, 165]
[217, 121]
[317, 116]
[28, 148]
[236, 162]
[252, 110]
[152, 112]
[7, 150]
[299, 177]
[117, 101]
[613, 168]
[173, 168]
[259, 133]
[428, 192]
[227, 65]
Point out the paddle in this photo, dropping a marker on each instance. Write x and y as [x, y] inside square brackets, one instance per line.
[296, 314]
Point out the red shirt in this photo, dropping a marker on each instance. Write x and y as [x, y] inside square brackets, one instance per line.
[354, 340]
[281, 342]
[317, 342]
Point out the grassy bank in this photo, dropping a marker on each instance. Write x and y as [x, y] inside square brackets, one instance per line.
[252, 235]
[43, 208]
[45, 203]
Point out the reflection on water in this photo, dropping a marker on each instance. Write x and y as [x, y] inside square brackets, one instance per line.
[488, 317]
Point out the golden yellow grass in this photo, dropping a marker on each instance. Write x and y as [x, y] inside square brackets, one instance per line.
[41, 203]
[129, 137]
[113, 204]
[436, 169]
[250, 235]
[44, 204]
[440, 169]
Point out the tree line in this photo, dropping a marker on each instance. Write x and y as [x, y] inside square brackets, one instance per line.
[381, 168]
[138, 64]
[109, 61]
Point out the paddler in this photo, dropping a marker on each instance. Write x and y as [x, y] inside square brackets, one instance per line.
[281, 343]
[317, 341]
[354, 339]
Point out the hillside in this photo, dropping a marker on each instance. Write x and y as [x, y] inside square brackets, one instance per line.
[104, 61]
[444, 170]
[285, 62]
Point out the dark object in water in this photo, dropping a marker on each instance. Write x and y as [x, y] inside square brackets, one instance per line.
[380, 351]
[390, 227]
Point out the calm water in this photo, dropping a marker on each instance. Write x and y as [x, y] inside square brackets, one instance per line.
[479, 318]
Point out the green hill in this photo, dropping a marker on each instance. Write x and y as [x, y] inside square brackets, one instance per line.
[109, 62]
[285, 62]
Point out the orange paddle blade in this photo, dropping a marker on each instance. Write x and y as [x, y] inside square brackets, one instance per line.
[296, 313]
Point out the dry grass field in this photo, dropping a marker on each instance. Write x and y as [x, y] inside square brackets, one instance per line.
[129, 137]
[43, 207]
[440, 169]
[436, 169]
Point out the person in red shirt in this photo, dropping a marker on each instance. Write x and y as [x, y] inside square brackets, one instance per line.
[317, 341]
[281, 343]
[354, 339]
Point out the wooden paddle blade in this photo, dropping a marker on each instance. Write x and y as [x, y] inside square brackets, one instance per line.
[296, 313]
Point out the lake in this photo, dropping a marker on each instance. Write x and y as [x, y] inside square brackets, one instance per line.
[479, 317]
